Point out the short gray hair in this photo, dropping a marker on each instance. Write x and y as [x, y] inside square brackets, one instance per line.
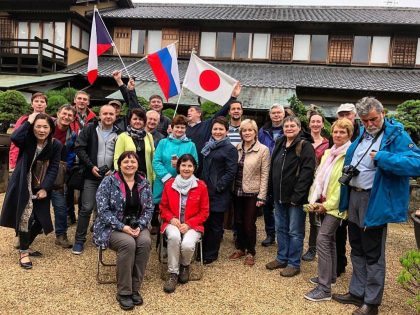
[152, 112]
[276, 105]
[292, 119]
[367, 104]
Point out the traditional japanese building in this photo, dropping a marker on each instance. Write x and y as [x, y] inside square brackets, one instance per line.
[324, 55]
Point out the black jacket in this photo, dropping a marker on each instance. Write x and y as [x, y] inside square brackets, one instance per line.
[292, 176]
[201, 132]
[17, 194]
[219, 170]
[87, 148]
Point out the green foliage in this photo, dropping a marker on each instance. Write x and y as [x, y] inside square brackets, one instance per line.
[56, 98]
[409, 277]
[143, 102]
[408, 113]
[69, 93]
[209, 109]
[96, 109]
[300, 110]
[169, 112]
[54, 103]
[12, 105]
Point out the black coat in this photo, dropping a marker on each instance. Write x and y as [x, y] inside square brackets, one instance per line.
[219, 170]
[17, 194]
[292, 176]
[87, 148]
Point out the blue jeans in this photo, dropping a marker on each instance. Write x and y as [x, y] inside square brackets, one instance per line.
[290, 232]
[58, 201]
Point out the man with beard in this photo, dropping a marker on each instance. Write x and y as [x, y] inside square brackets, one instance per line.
[235, 113]
[375, 192]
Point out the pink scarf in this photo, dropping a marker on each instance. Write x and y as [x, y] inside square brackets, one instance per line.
[322, 177]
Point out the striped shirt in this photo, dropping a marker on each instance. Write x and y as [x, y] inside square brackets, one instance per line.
[234, 135]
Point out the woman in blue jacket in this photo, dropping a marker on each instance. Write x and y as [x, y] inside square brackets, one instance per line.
[167, 153]
[220, 164]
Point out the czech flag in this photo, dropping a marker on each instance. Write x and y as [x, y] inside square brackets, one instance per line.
[100, 42]
[164, 65]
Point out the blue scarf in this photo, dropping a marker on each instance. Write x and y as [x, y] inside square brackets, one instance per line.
[212, 144]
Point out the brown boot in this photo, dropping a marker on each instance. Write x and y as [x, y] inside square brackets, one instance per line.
[290, 271]
[63, 241]
[170, 284]
[184, 274]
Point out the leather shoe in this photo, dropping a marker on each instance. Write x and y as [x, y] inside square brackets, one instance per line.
[35, 254]
[25, 265]
[275, 264]
[208, 261]
[269, 240]
[348, 298]
[236, 255]
[366, 309]
[137, 298]
[126, 302]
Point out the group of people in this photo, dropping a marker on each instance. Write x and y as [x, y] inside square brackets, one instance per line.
[184, 175]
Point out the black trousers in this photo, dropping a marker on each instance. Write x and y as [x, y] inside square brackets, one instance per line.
[245, 218]
[213, 235]
[341, 240]
[27, 238]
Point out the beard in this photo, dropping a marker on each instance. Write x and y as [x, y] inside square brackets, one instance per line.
[374, 130]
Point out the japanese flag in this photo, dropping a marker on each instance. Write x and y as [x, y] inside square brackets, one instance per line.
[208, 82]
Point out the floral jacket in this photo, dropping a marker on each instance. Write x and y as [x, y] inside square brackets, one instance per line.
[110, 200]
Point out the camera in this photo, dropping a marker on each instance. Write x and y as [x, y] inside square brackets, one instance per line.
[103, 170]
[349, 171]
[131, 221]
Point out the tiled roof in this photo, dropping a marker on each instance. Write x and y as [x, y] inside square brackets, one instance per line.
[328, 14]
[284, 76]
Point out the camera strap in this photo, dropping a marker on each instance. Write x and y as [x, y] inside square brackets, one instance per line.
[373, 142]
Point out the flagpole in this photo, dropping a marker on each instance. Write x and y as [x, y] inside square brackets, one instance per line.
[113, 43]
[179, 98]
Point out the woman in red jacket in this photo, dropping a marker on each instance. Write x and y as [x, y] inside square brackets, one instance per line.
[183, 209]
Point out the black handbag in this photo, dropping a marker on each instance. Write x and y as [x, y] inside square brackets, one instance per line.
[76, 177]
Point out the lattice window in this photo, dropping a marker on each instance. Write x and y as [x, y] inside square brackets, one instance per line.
[188, 39]
[404, 51]
[6, 28]
[281, 47]
[340, 49]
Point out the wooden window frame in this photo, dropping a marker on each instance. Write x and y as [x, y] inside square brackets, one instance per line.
[193, 37]
[404, 54]
[283, 37]
[41, 31]
[337, 50]
[369, 52]
[81, 29]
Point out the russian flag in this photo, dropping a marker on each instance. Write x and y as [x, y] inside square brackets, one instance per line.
[100, 42]
[164, 65]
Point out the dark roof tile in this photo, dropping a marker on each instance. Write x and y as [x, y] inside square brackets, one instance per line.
[284, 76]
[327, 14]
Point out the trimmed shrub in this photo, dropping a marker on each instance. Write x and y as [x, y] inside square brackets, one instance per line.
[12, 105]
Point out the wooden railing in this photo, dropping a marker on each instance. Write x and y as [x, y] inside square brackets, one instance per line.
[35, 56]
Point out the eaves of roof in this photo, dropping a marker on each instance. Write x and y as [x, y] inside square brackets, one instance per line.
[285, 76]
[264, 13]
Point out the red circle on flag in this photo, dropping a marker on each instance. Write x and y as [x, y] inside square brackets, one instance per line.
[209, 80]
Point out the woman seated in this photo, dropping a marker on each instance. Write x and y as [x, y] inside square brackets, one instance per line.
[324, 199]
[125, 208]
[183, 209]
[26, 206]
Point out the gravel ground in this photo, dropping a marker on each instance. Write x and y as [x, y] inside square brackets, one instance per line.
[61, 282]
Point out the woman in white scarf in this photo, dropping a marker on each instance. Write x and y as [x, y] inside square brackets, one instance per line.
[183, 209]
[324, 198]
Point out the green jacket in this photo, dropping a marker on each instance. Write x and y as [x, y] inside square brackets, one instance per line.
[332, 199]
[126, 143]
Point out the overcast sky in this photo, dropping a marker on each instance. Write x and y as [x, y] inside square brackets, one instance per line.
[399, 3]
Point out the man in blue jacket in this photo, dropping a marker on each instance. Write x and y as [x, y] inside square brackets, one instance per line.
[375, 192]
[267, 135]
